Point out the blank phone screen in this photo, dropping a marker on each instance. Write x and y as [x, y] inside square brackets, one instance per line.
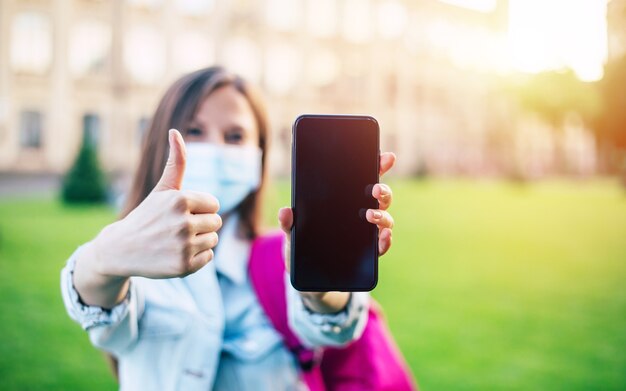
[334, 167]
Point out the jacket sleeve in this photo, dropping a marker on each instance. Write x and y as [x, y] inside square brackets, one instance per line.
[112, 330]
[318, 330]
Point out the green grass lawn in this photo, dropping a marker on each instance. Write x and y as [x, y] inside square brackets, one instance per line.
[488, 286]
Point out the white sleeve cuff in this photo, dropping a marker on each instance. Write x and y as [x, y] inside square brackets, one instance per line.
[316, 329]
[89, 316]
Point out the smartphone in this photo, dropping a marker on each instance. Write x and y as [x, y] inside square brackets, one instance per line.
[335, 164]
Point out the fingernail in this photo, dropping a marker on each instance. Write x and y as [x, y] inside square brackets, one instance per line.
[377, 214]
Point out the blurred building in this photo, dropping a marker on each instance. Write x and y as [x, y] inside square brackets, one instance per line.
[616, 22]
[95, 69]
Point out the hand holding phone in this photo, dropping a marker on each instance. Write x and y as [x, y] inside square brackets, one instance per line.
[335, 169]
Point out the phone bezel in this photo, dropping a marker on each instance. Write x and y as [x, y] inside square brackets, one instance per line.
[293, 206]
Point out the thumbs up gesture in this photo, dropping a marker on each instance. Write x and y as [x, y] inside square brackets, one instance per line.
[170, 234]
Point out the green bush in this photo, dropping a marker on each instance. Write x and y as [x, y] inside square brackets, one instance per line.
[85, 182]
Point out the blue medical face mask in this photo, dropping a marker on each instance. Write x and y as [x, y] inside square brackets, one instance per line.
[228, 172]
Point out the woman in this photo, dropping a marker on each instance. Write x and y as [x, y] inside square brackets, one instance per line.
[205, 329]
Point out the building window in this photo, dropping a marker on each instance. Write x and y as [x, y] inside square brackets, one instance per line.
[392, 19]
[194, 7]
[30, 129]
[89, 47]
[142, 128]
[284, 15]
[192, 50]
[149, 67]
[323, 68]
[242, 55]
[150, 5]
[357, 23]
[281, 68]
[31, 43]
[322, 18]
[91, 129]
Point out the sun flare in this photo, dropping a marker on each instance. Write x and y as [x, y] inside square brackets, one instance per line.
[553, 34]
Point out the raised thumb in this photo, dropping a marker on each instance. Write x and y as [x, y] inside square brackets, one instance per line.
[172, 177]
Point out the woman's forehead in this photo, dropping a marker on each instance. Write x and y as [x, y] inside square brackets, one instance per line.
[224, 106]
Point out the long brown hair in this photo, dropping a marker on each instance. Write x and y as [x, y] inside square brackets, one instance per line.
[176, 110]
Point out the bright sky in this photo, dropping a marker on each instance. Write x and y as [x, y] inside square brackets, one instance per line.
[552, 34]
[549, 34]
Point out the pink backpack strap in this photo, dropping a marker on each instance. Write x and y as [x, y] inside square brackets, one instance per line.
[267, 274]
[373, 362]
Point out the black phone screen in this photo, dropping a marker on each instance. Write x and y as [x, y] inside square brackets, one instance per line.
[334, 167]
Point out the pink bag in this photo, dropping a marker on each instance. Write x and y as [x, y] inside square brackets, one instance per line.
[373, 362]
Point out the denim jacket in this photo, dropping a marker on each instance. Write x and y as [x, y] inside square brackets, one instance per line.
[207, 330]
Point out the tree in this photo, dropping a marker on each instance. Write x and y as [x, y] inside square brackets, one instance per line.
[611, 125]
[555, 94]
[85, 182]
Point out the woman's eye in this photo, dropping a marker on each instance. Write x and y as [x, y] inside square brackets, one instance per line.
[194, 132]
[234, 137]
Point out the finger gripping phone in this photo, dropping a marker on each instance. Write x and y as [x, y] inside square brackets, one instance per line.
[335, 164]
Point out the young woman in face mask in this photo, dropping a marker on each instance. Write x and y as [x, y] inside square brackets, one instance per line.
[157, 292]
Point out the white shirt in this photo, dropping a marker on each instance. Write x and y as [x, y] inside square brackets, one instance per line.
[207, 330]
